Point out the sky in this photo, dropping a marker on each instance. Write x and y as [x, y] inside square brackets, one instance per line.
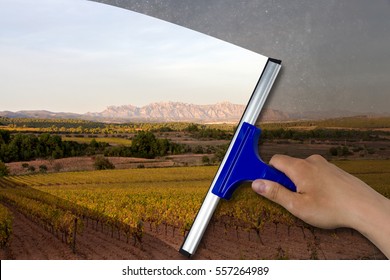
[80, 56]
[335, 54]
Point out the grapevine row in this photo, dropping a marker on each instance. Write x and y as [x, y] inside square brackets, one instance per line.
[130, 200]
[6, 220]
[51, 217]
[19, 194]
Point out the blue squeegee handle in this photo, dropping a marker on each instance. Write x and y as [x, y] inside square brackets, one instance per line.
[244, 164]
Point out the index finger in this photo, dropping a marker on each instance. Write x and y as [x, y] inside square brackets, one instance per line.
[292, 167]
[284, 163]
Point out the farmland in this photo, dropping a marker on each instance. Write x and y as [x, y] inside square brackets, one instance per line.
[109, 140]
[55, 205]
[133, 204]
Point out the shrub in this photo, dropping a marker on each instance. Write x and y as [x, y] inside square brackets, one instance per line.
[4, 171]
[57, 166]
[25, 165]
[43, 168]
[31, 168]
[333, 151]
[102, 163]
[340, 151]
[206, 160]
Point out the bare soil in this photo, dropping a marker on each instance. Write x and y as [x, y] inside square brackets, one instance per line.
[87, 163]
[30, 241]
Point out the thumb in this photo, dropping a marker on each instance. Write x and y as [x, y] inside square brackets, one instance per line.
[275, 192]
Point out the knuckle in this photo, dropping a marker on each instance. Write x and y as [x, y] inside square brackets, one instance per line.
[274, 158]
[315, 158]
[300, 166]
[293, 207]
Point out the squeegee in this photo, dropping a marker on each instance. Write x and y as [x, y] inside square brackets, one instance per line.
[241, 162]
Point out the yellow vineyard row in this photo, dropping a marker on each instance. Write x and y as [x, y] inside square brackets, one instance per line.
[129, 199]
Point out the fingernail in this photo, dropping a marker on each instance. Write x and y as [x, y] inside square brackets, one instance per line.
[259, 186]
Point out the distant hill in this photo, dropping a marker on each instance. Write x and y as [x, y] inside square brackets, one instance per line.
[156, 112]
[39, 114]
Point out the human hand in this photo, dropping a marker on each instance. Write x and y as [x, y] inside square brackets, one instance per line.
[329, 197]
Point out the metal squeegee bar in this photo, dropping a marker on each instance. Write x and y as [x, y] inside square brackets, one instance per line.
[250, 116]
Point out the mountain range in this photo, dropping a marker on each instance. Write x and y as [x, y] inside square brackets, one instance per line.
[175, 111]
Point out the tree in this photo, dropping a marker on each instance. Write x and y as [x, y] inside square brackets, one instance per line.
[94, 144]
[4, 171]
[5, 136]
[102, 163]
[145, 145]
[192, 128]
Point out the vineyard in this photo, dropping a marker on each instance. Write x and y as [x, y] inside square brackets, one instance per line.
[6, 219]
[130, 204]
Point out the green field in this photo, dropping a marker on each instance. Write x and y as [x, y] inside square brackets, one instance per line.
[110, 140]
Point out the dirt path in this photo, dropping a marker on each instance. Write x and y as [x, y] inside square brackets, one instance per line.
[296, 243]
[30, 241]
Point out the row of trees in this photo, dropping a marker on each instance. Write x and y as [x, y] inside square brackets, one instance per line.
[320, 133]
[24, 147]
[146, 145]
[209, 133]
[72, 126]
[203, 131]
[48, 123]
